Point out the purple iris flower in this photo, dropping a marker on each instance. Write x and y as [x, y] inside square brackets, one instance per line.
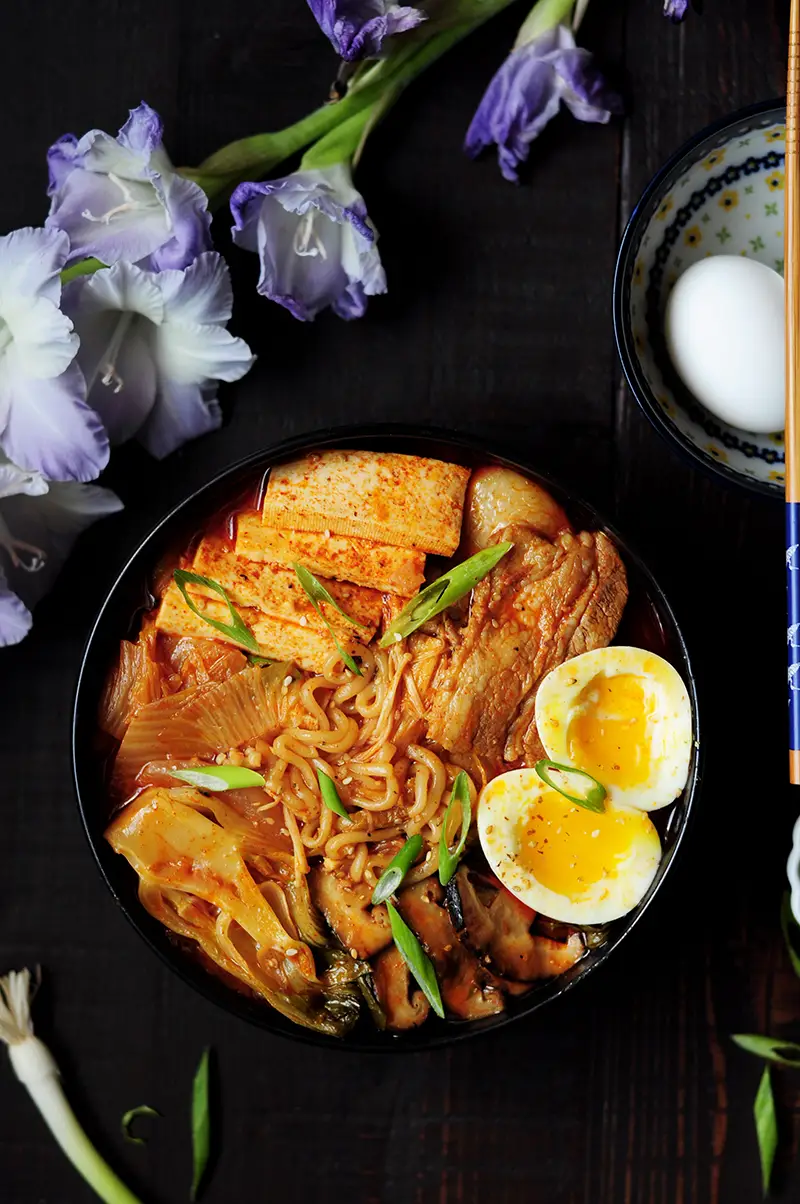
[527, 91]
[39, 522]
[676, 9]
[120, 198]
[316, 244]
[358, 28]
[45, 424]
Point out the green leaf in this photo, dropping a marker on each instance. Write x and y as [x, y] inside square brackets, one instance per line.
[330, 795]
[397, 869]
[83, 267]
[791, 932]
[444, 592]
[237, 629]
[449, 859]
[219, 777]
[316, 593]
[201, 1122]
[130, 1117]
[415, 958]
[782, 1053]
[766, 1127]
[576, 785]
[262, 662]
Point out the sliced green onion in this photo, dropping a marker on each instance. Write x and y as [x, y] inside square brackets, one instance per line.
[219, 777]
[130, 1117]
[316, 593]
[444, 592]
[772, 1049]
[201, 1122]
[36, 1068]
[576, 785]
[416, 959]
[261, 661]
[791, 932]
[237, 629]
[766, 1127]
[397, 869]
[330, 795]
[449, 859]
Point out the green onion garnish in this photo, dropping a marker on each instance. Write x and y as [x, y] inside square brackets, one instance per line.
[397, 869]
[219, 777]
[201, 1122]
[237, 629]
[261, 662]
[772, 1049]
[316, 592]
[36, 1069]
[576, 785]
[443, 592]
[130, 1117]
[449, 859]
[330, 795]
[416, 959]
[766, 1127]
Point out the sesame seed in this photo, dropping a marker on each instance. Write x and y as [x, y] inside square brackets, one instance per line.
[596, 832]
[397, 637]
[346, 781]
[303, 621]
[354, 954]
[287, 681]
[292, 952]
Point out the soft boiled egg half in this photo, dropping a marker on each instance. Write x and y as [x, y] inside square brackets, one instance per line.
[572, 864]
[622, 715]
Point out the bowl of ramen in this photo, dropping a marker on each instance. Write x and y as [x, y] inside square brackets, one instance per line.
[382, 740]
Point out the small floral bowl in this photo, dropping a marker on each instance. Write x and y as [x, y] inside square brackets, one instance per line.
[722, 193]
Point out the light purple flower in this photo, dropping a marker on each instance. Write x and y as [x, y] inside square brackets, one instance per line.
[675, 9]
[39, 522]
[358, 28]
[316, 245]
[527, 91]
[45, 423]
[154, 345]
[120, 198]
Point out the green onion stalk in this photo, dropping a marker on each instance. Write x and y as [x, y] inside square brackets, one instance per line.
[36, 1068]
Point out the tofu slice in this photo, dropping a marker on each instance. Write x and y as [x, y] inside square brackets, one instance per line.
[407, 501]
[274, 606]
[344, 557]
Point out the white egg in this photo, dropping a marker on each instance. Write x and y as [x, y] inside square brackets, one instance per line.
[624, 716]
[724, 328]
[569, 863]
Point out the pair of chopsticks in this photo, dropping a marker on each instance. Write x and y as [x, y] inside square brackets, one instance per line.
[791, 262]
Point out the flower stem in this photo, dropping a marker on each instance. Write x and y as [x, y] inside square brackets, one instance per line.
[544, 16]
[82, 267]
[253, 157]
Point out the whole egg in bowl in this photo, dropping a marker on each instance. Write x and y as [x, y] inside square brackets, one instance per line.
[563, 860]
[622, 715]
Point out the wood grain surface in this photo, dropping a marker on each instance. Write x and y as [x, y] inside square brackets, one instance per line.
[498, 322]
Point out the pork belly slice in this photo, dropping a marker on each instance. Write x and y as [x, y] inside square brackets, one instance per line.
[343, 557]
[556, 594]
[407, 501]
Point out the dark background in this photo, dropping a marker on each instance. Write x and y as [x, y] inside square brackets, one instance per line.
[498, 321]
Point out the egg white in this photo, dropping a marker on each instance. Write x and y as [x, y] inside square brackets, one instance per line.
[510, 804]
[668, 725]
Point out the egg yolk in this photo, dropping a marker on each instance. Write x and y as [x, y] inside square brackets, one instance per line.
[608, 736]
[568, 848]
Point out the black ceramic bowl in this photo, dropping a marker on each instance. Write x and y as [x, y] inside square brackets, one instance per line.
[648, 622]
[720, 194]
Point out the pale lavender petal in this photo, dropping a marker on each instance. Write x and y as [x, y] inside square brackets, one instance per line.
[50, 429]
[182, 412]
[52, 523]
[14, 479]
[142, 132]
[358, 28]
[676, 9]
[189, 353]
[129, 395]
[15, 618]
[109, 219]
[587, 95]
[31, 260]
[190, 222]
[202, 293]
[60, 161]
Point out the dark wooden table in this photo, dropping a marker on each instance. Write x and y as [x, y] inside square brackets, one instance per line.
[498, 321]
